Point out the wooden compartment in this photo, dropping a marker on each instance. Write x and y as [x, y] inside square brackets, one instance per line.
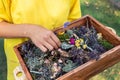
[93, 67]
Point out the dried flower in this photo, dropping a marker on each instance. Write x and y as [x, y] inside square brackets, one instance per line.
[61, 32]
[99, 36]
[84, 46]
[77, 43]
[72, 41]
[60, 61]
[81, 41]
[55, 70]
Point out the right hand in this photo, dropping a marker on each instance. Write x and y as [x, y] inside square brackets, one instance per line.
[43, 38]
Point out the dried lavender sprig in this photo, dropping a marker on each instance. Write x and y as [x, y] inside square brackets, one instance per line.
[89, 48]
[35, 72]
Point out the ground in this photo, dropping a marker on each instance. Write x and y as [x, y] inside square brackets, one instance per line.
[104, 12]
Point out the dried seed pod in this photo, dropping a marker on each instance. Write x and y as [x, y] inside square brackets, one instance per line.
[63, 53]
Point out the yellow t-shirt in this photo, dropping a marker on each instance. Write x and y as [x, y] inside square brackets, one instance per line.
[48, 13]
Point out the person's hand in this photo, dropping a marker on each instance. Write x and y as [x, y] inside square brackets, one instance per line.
[43, 38]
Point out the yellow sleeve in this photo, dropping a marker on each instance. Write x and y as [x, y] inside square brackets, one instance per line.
[5, 10]
[75, 11]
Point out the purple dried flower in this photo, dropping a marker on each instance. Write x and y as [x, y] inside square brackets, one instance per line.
[72, 41]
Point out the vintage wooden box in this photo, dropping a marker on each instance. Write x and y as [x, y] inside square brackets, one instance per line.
[93, 67]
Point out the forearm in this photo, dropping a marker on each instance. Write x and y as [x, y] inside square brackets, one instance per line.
[41, 37]
[8, 30]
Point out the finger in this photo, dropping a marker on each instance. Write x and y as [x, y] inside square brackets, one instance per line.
[48, 46]
[43, 48]
[51, 42]
[55, 39]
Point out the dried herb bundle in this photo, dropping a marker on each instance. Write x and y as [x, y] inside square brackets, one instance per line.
[79, 45]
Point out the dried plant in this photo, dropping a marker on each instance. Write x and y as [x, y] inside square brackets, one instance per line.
[79, 45]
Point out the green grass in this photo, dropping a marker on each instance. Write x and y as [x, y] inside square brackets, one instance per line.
[108, 15]
[3, 63]
[103, 11]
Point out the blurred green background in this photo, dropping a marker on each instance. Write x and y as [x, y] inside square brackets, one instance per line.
[108, 14]
[3, 63]
[105, 12]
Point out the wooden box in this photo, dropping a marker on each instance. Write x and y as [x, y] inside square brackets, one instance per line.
[93, 67]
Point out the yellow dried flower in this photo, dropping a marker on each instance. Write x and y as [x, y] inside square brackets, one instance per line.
[61, 33]
[77, 41]
[84, 46]
[81, 40]
[77, 44]
[99, 35]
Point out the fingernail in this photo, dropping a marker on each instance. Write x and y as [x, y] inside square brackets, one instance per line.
[44, 50]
